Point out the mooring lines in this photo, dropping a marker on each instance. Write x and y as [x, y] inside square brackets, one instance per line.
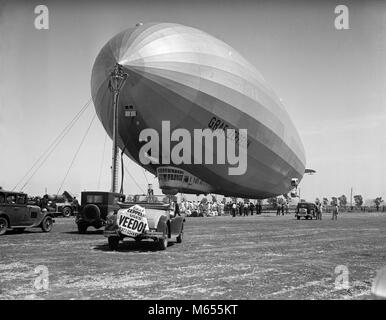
[76, 153]
[45, 155]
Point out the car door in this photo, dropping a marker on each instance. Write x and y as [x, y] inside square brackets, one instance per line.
[15, 211]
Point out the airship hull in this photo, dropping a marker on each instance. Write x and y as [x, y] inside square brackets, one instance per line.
[195, 81]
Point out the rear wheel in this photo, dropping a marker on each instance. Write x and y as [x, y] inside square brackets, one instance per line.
[82, 228]
[3, 225]
[163, 242]
[113, 243]
[67, 212]
[180, 236]
[47, 224]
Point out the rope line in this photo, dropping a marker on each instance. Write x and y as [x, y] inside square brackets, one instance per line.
[52, 146]
[76, 153]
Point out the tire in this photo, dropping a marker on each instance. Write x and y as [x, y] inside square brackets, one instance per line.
[163, 242]
[19, 230]
[113, 243]
[67, 212]
[180, 236]
[3, 225]
[82, 228]
[47, 224]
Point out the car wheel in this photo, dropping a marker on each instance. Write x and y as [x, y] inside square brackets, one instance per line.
[47, 224]
[19, 230]
[113, 243]
[82, 228]
[180, 236]
[163, 242]
[67, 212]
[3, 225]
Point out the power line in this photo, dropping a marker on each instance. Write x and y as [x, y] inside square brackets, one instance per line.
[76, 153]
[52, 146]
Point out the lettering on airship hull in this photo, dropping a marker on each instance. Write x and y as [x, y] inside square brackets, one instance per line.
[186, 146]
[218, 124]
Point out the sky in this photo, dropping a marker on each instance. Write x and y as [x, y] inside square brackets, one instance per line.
[332, 83]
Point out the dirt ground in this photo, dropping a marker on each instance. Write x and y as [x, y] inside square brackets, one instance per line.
[255, 257]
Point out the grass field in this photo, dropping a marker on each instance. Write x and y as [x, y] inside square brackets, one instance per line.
[255, 257]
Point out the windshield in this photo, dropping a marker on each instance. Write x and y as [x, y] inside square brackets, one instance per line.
[149, 199]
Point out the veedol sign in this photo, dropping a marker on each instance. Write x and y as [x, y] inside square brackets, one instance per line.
[132, 222]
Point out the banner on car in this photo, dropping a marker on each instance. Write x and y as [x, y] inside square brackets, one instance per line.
[132, 222]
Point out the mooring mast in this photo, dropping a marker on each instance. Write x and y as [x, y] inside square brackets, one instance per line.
[117, 80]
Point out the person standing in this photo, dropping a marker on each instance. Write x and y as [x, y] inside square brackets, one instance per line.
[251, 208]
[245, 209]
[259, 206]
[234, 207]
[335, 211]
[282, 209]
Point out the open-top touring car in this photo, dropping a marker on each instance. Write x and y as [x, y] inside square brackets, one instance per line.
[145, 217]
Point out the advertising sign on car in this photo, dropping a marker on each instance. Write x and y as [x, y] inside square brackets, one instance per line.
[132, 222]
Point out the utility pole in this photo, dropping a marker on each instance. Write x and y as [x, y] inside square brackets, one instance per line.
[117, 80]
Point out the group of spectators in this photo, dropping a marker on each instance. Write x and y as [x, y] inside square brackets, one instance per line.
[202, 209]
[244, 209]
[282, 208]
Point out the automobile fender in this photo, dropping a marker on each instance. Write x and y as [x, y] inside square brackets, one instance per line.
[2, 214]
[43, 215]
[176, 225]
[162, 223]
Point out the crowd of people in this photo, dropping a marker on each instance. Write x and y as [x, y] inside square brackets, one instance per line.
[244, 209]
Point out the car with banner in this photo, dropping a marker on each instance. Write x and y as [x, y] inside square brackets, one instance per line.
[95, 206]
[305, 210]
[145, 217]
[17, 214]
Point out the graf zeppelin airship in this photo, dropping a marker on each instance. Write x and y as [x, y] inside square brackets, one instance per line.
[191, 80]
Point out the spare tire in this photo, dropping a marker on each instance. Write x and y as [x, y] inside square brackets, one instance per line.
[91, 213]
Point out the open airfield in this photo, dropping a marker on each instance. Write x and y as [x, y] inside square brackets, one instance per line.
[255, 257]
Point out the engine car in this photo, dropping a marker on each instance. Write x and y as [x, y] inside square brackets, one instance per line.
[17, 214]
[95, 206]
[145, 217]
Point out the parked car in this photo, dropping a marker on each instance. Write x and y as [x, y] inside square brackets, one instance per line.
[17, 214]
[306, 210]
[95, 205]
[145, 217]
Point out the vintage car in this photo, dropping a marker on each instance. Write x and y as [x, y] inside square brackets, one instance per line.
[306, 210]
[95, 205]
[17, 214]
[145, 217]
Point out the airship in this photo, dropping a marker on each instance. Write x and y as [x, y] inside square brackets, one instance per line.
[185, 78]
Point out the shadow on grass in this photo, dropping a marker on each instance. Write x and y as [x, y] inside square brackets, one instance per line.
[133, 246]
